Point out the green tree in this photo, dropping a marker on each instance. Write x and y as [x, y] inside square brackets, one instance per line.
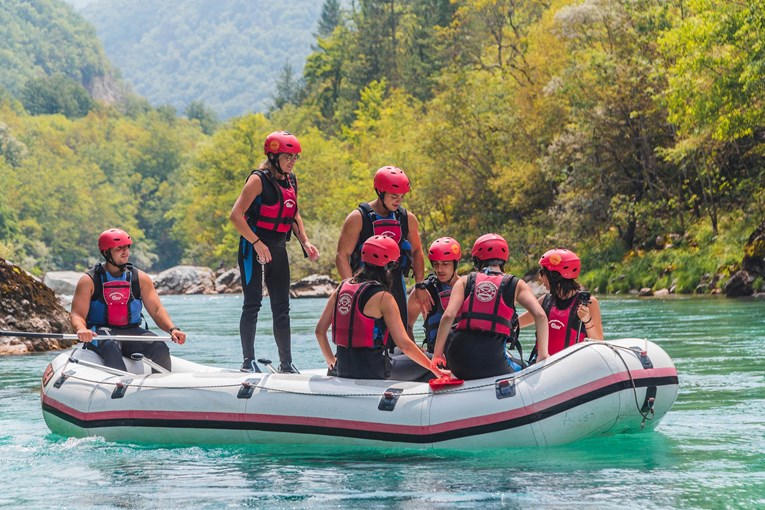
[56, 94]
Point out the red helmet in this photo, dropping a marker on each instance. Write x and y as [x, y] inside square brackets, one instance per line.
[379, 251]
[444, 248]
[490, 246]
[112, 238]
[281, 141]
[391, 179]
[563, 261]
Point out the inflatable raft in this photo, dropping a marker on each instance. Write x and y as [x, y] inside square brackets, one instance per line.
[588, 390]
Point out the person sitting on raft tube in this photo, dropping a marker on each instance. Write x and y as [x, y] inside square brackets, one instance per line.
[108, 300]
[444, 255]
[361, 311]
[571, 313]
[386, 216]
[483, 303]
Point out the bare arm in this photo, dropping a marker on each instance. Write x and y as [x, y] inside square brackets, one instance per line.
[526, 319]
[158, 312]
[325, 321]
[81, 306]
[590, 317]
[349, 237]
[424, 299]
[251, 190]
[447, 319]
[392, 318]
[299, 229]
[413, 313]
[525, 296]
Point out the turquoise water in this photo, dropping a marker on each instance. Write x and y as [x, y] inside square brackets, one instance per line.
[708, 452]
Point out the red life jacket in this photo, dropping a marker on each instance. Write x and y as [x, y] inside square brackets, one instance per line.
[116, 302]
[279, 215]
[350, 327]
[564, 324]
[395, 226]
[484, 308]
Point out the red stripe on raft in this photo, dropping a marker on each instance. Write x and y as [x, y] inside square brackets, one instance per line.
[362, 425]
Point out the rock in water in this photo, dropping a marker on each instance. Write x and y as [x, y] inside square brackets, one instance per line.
[28, 305]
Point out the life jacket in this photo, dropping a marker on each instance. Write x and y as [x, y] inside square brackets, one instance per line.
[279, 215]
[484, 308]
[564, 324]
[350, 327]
[440, 292]
[116, 301]
[396, 226]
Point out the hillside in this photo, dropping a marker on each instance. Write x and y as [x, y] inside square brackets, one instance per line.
[48, 38]
[226, 54]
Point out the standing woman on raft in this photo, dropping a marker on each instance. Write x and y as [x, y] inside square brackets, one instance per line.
[483, 303]
[266, 214]
[362, 311]
[572, 315]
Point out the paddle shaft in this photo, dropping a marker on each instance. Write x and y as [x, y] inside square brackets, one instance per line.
[68, 336]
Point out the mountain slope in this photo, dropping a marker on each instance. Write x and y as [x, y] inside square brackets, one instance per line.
[48, 37]
[226, 53]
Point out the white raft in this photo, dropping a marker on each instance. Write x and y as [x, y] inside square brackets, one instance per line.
[590, 389]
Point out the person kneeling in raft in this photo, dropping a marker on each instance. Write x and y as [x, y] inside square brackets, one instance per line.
[361, 311]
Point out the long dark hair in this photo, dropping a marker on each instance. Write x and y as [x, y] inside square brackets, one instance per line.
[560, 287]
[370, 273]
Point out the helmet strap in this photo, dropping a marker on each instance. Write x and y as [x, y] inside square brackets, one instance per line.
[381, 198]
[274, 160]
[108, 256]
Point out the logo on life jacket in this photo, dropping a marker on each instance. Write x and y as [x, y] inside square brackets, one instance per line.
[289, 204]
[485, 291]
[556, 324]
[388, 233]
[344, 302]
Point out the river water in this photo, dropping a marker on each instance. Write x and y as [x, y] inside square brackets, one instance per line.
[708, 452]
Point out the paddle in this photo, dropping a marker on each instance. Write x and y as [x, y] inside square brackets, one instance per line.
[68, 336]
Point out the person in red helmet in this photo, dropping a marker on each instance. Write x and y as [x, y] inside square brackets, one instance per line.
[385, 216]
[266, 215]
[483, 303]
[573, 314]
[109, 299]
[361, 312]
[444, 255]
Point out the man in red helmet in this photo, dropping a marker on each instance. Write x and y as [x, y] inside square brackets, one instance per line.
[266, 215]
[109, 299]
[483, 303]
[385, 216]
[444, 255]
[361, 312]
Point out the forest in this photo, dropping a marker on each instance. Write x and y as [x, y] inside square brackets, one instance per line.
[631, 131]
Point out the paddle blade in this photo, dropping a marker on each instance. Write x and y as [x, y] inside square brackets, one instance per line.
[442, 382]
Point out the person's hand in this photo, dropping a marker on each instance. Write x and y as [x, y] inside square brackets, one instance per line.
[312, 251]
[425, 300]
[85, 335]
[178, 336]
[441, 372]
[262, 251]
[436, 362]
[583, 312]
[541, 357]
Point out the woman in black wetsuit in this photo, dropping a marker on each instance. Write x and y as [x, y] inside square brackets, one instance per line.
[266, 214]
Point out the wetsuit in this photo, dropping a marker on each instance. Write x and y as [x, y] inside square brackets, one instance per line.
[270, 215]
[360, 339]
[483, 327]
[123, 318]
